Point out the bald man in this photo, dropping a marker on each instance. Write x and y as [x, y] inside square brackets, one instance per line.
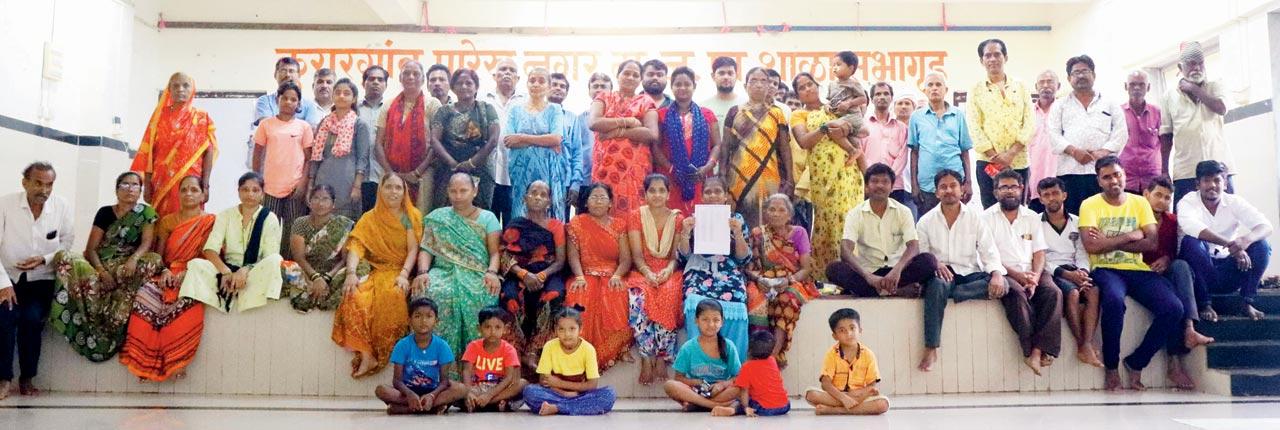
[506, 76]
[1141, 155]
[938, 136]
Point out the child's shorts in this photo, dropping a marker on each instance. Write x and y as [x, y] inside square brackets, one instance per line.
[763, 411]
[868, 399]
[484, 388]
[423, 390]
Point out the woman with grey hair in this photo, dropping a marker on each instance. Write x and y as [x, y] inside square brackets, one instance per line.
[778, 278]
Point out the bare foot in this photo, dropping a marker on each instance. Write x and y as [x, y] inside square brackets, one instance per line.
[364, 366]
[1087, 355]
[930, 357]
[823, 410]
[722, 411]
[26, 388]
[1253, 313]
[5, 386]
[1193, 338]
[1033, 361]
[182, 374]
[548, 409]
[646, 372]
[1178, 376]
[1046, 360]
[1208, 314]
[398, 410]
[1111, 382]
[1134, 378]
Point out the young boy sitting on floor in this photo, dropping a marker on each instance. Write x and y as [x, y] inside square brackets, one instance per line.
[491, 366]
[763, 393]
[849, 372]
[418, 385]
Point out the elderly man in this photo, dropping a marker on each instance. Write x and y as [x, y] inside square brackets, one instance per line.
[1085, 127]
[34, 227]
[369, 110]
[506, 76]
[1044, 162]
[1141, 155]
[939, 140]
[403, 143]
[999, 113]
[1191, 124]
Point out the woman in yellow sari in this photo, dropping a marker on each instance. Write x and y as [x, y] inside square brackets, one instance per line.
[758, 149]
[374, 311]
[179, 142]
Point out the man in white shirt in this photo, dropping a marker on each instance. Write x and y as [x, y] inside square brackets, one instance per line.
[505, 76]
[1033, 304]
[1191, 122]
[369, 110]
[34, 227]
[1225, 242]
[1085, 127]
[1067, 265]
[968, 263]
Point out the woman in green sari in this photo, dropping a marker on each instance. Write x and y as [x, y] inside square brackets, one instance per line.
[460, 245]
[93, 295]
[317, 243]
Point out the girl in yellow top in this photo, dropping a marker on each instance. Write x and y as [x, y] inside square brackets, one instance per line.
[569, 374]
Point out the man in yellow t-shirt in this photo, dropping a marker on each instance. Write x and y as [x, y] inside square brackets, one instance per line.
[1116, 228]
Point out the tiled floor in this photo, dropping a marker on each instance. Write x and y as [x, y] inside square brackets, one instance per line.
[1076, 410]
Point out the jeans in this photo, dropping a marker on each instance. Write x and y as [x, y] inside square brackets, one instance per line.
[1220, 275]
[936, 292]
[22, 326]
[1153, 292]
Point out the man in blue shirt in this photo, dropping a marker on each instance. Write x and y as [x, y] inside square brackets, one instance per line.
[573, 139]
[939, 139]
[268, 106]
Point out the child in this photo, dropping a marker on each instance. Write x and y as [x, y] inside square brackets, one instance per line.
[281, 146]
[419, 359]
[569, 374]
[706, 364]
[491, 366]
[849, 372]
[846, 99]
[761, 382]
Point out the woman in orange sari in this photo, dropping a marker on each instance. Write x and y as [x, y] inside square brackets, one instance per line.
[654, 288]
[374, 311]
[179, 142]
[626, 126]
[599, 257]
[164, 330]
[779, 279]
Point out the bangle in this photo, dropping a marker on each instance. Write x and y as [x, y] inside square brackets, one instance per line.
[582, 278]
[542, 277]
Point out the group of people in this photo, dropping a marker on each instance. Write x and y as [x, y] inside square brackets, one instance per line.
[861, 190]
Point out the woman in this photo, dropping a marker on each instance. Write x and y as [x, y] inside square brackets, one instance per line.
[340, 156]
[164, 330]
[460, 246]
[835, 175]
[93, 296]
[717, 277]
[691, 138]
[757, 153]
[533, 136]
[626, 125]
[241, 268]
[654, 286]
[463, 134]
[179, 141]
[318, 244]
[779, 275]
[281, 145]
[533, 255]
[374, 311]
[599, 257]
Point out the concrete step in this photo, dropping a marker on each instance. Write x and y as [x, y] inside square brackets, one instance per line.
[1233, 328]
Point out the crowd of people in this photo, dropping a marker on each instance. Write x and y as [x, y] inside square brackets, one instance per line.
[444, 221]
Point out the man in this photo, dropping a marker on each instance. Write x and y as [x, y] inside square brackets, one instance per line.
[34, 227]
[268, 104]
[724, 72]
[779, 92]
[654, 75]
[886, 142]
[1067, 266]
[968, 261]
[598, 83]
[1000, 113]
[879, 250]
[1191, 123]
[903, 107]
[573, 140]
[1033, 304]
[939, 140]
[1141, 156]
[404, 144]
[506, 76]
[322, 89]
[1085, 127]
[1225, 242]
[438, 83]
[1043, 161]
[369, 110]
[1117, 228]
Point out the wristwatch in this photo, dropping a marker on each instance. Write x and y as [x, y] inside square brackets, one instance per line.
[824, 129]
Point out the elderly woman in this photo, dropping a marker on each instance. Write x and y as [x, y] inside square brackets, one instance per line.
[318, 244]
[599, 257]
[779, 275]
[626, 126]
[462, 135]
[534, 137]
[533, 255]
[758, 149]
[179, 142]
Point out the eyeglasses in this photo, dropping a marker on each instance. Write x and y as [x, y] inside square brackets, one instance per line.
[1009, 187]
[1081, 72]
[758, 82]
[128, 186]
[598, 198]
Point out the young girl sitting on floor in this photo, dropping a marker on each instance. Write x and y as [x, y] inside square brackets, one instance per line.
[706, 364]
[569, 373]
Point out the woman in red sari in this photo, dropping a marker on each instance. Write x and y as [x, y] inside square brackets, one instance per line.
[599, 257]
[779, 279]
[626, 126]
[690, 141]
[654, 288]
[164, 330]
[179, 142]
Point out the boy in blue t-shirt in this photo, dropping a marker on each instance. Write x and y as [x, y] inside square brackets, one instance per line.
[417, 385]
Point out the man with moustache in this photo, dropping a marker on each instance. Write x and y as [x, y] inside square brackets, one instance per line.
[1085, 127]
[724, 72]
[939, 140]
[1044, 162]
[322, 89]
[573, 137]
[438, 83]
[1191, 123]
[886, 141]
[654, 81]
[505, 76]
[1000, 118]
[374, 80]
[1141, 156]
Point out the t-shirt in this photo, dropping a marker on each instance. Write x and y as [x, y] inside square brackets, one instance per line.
[763, 381]
[1133, 214]
[845, 374]
[582, 361]
[491, 366]
[287, 145]
[421, 366]
[693, 363]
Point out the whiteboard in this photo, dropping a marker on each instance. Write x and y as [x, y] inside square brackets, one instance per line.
[232, 118]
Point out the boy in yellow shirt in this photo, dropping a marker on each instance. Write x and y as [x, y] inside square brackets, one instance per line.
[849, 372]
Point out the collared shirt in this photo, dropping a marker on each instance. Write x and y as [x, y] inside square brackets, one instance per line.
[498, 158]
[721, 107]
[1233, 218]
[666, 101]
[966, 245]
[268, 105]
[1063, 246]
[1141, 156]
[22, 236]
[886, 142]
[582, 128]
[1000, 117]
[1098, 126]
[879, 241]
[1043, 161]
[940, 141]
[572, 141]
[1019, 240]
[1196, 130]
[370, 114]
[231, 237]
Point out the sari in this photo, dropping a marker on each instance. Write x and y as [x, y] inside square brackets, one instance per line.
[720, 278]
[621, 163]
[835, 188]
[655, 309]
[164, 330]
[532, 247]
[778, 308]
[172, 148]
[376, 315]
[463, 134]
[460, 258]
[406, 135]
[687, 143]
[605, 322]
[754, 173]
[532, 163]
[86, 312]
[325, 252]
